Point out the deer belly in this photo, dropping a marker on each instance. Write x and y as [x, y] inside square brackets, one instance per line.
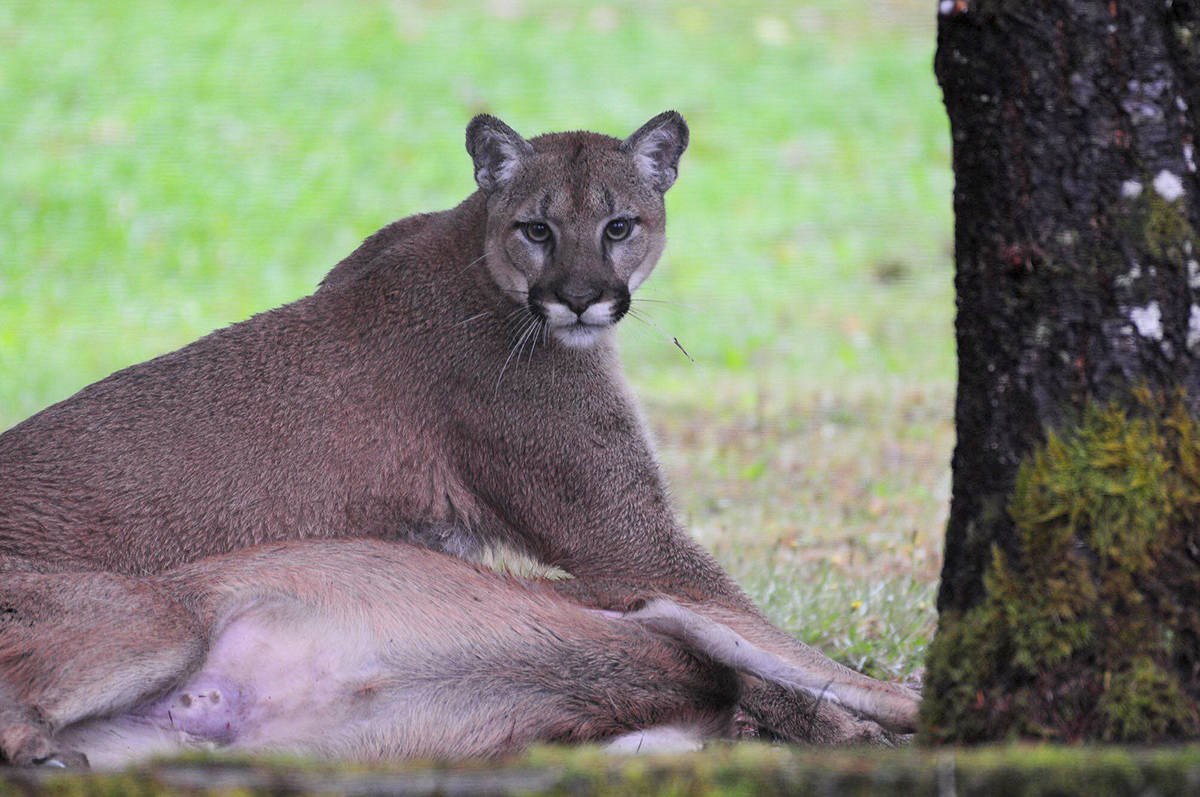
[275, 678]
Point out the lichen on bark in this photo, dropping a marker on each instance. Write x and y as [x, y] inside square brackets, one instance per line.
[1090, 628]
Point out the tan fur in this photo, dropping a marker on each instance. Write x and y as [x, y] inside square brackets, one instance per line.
[428, 391]
[418, 655]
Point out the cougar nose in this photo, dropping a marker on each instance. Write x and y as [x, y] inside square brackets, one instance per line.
[577, 298]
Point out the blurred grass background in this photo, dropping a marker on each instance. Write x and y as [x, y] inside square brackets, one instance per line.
[171, 166]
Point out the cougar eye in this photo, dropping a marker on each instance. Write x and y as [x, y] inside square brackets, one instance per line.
[617, 229]
[536, 231]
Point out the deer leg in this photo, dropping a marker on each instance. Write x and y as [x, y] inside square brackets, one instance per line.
[78, 645]
[574, 677]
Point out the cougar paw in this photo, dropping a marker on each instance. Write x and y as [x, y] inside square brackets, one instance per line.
[866, 732]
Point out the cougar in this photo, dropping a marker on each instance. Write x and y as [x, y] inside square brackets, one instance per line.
[452, 383]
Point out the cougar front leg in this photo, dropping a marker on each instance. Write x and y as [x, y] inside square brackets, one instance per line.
[822, 714]
[829, 690]
[590, 499]
[815, 716]
[77, 645]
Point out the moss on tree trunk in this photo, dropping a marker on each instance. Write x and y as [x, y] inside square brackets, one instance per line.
[1078, 281]
[1091, 629]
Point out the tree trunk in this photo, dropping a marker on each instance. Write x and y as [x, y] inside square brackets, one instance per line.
[1078, 283]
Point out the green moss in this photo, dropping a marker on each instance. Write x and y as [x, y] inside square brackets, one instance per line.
[1166, 228]
[1144, 702]
[1089, 629]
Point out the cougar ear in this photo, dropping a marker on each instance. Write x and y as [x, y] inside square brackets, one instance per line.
[497, 149]
[656, 147]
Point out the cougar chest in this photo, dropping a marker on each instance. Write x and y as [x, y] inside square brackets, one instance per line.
[420, 500]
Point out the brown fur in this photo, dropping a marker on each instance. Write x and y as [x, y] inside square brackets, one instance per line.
[389, 404]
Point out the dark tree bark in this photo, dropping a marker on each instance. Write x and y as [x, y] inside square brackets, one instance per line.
[1076, 202]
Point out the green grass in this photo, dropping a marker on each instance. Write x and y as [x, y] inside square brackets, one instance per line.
[170, 167]
[829, 508]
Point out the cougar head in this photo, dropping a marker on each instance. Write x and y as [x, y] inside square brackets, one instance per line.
[576, 221]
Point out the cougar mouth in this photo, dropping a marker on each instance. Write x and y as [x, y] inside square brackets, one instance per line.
[576, 330]
[579, 334]
[579, 327]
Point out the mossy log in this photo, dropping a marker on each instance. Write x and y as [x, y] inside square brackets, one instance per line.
[742, 769]
[1078, 281]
